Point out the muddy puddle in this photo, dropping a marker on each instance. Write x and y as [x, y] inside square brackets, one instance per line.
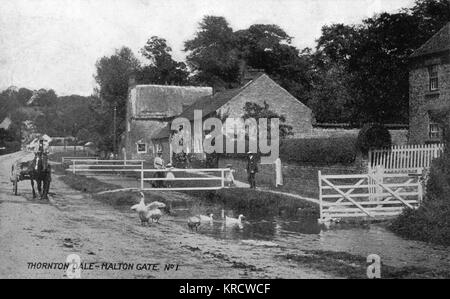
[292, 230]
[295, 231]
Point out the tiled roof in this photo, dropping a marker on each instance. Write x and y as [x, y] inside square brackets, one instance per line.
[437, 43]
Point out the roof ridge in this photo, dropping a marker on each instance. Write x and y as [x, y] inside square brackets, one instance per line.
[438, 42]
[173, 86]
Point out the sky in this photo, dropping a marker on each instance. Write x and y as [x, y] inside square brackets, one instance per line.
[56, 43]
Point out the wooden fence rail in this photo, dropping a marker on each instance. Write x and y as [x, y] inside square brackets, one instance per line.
[405, 158]
[201, 175]
[90, 165]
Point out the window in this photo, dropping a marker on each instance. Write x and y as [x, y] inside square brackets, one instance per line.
[434, 129]
[141, 148]
[433, 74]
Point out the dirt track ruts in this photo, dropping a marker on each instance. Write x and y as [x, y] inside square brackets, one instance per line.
[72, 222]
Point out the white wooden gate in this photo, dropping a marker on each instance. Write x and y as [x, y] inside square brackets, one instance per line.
[405, 158]
[365, 195]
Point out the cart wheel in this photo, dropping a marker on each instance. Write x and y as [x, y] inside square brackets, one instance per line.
[15, 187]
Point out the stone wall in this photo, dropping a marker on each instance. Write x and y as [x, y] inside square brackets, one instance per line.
[421, 99]
[264, 89]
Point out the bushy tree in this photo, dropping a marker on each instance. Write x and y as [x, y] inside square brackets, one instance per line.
[212, 54]
[163, 69]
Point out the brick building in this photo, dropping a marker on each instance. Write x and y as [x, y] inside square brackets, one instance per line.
[150, 108]
[258, 89]
[429, 88]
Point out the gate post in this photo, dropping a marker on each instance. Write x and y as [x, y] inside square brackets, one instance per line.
[142, 178]
[319, 175]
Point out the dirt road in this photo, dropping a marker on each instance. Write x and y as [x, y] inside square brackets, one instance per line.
[112, 244]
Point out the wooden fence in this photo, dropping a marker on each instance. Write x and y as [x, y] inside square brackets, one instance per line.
[366, 195]
[405, 158]
[105, 166]
[196, 179]
[203, 177]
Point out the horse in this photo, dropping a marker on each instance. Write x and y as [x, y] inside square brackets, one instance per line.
[41, 173]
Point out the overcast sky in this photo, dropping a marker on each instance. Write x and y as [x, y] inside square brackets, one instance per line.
[55, 43]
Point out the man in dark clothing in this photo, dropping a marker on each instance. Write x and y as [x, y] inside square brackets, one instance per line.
[252, 169]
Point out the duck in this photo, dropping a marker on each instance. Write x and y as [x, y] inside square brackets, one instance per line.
[204, 218]
[234, 221]
[193, 222]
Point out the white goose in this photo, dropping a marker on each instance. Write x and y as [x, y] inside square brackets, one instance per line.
[147, 212]
[234, 221]
[204, 218]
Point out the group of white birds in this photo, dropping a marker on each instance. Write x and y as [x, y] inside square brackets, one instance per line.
[152, 212]
[195, 221]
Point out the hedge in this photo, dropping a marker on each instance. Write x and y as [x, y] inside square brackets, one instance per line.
[321, 151]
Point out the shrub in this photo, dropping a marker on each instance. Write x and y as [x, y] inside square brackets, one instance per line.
[373, 136]
[431, 221]
[322, 151]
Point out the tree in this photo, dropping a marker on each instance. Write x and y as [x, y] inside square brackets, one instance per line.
[268, 47]
[212, 54]
[256, 111]
[163, 69]
[373, 57]
[330, 97]
[112, 75]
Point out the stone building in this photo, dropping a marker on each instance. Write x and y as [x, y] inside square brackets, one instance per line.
[150, 108]
[258, 89]
[429, 88]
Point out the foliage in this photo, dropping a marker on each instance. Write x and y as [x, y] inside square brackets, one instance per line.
[431, 221]
[112, 76]
[256, 111]
[212, 54]
[373, 136]
[319, 151]
[163, 69]
[374, 56]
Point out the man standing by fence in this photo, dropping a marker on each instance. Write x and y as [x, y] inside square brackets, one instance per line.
[252, 169]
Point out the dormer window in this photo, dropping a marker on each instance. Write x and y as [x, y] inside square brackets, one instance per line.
[433, 75]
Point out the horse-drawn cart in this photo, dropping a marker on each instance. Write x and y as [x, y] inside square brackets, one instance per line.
[19, 172]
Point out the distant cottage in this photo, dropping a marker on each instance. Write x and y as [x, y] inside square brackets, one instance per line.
[151, 108]
[429, 88]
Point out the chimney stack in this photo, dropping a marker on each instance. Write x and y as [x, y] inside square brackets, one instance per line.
[132, 80]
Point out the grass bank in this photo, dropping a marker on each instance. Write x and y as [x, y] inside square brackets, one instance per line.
[431, 221]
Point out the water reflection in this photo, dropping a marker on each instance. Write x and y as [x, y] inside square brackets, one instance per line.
[288, 229]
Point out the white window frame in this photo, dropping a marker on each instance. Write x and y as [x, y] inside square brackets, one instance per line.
[137, 147]
[434, 130]
[433, 74]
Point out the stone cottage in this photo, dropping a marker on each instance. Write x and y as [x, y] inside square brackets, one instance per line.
[259, 89]
[149, 109]
[429, 88]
